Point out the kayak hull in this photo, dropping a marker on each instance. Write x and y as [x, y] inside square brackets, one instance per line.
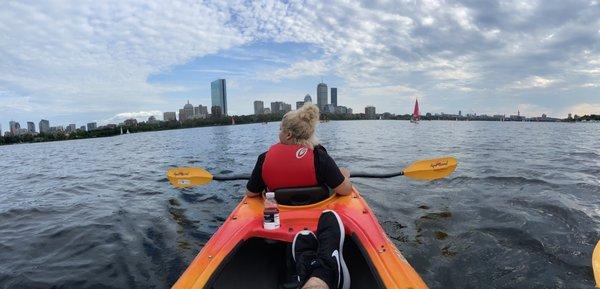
[245, 223]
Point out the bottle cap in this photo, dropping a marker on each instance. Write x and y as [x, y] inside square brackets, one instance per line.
[270, 195]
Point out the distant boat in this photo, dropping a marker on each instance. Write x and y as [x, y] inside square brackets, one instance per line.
[416, 115]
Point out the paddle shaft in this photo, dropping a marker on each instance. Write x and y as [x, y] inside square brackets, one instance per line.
[352, 175]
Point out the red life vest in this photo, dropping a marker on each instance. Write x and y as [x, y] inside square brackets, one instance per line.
[289, 166]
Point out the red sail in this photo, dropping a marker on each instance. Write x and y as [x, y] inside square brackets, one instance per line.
[416, 111]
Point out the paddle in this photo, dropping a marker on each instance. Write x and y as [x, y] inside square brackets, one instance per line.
[425, 170]
[596, 264]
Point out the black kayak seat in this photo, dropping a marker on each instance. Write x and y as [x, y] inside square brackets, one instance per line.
[302, 196]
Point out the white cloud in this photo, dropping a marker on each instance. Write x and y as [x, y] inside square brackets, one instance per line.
[582, 109]
[533, 82]
[139, 115]
[296, 70]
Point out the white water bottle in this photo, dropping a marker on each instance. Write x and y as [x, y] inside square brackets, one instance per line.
[271, 212]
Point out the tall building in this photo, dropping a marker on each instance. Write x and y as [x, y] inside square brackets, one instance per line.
[299, 104]
[187, 112]
[259, 107]
[14, 127]
[92, 126]
[44, 126]
[200, 111]
[215, 111]
[82, 128]
[334, 96]
[71, 128]
[169, 116]
[218, 94]
[30, 127]
[279, 107]
[307, 98]
[321, 96]
[370, 112]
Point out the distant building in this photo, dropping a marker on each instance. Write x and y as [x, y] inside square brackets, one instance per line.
[349, 111]
[130, 122]
[55, 129]
[259, 107]
[22, 131]
[459, 113]
[341, 109]
[334, 96]
[31, 127]
[329, 108]
[82, 128]
[71, 128]
[92, 126]
[267, 110]
[370, 112]
[152, 120]
[279, 107]
[216, 111]
[14, 127]
[44, 126]
[299, 104]
[187, 112]
[307, 98]
[321, 95]
[218, 93]
[200, 111]
[169, 116]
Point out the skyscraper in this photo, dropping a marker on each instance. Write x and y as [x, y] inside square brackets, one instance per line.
[299, 104]
[370, 112]
[334, 96]
[321, 95]
[187, 112]
[14, 127]
[30, 127]
[92, 126]
[259, 107]
[169, 116]
[307, 98]
[218, 93]
[44, 126]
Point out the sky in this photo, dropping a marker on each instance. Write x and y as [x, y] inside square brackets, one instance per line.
[104, 61]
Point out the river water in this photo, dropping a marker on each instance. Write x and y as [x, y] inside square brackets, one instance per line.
[522, 209]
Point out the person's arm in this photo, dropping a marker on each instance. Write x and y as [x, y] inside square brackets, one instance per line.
[345, 188]
[256, 185]
[329, 173]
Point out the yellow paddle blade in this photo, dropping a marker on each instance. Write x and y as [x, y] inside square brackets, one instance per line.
[427, 170]
[188, 177]
[596, 264]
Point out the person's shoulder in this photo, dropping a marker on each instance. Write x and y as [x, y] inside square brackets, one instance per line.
[319, 148]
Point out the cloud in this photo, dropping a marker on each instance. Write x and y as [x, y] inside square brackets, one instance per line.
[582, 109]
[139, 115]
[88, 55]
[533, 82]
[296, 70]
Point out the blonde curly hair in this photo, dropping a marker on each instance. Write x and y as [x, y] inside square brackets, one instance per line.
[301, 123]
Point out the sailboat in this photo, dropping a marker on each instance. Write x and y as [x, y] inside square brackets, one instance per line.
[415, 117]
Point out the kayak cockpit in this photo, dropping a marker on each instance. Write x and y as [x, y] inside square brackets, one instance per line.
[264, 263]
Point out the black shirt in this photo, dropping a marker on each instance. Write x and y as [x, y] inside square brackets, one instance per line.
[326, 169]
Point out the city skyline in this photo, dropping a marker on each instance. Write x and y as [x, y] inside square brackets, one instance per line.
[536, 57]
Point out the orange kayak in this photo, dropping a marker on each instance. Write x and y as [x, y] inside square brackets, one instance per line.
[241, 254]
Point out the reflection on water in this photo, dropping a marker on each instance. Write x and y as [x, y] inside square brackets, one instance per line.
[521, 211]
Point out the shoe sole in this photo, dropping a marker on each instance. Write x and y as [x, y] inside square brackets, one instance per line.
[344, 268]
[296, 237]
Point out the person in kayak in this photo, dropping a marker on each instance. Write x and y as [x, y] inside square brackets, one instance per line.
[298, 160]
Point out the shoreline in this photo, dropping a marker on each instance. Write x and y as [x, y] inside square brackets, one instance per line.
[114, 130]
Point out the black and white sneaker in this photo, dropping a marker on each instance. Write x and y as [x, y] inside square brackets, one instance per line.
[330, 235]
[304, 252]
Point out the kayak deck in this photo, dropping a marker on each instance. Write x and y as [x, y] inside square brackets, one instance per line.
[242, 253]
